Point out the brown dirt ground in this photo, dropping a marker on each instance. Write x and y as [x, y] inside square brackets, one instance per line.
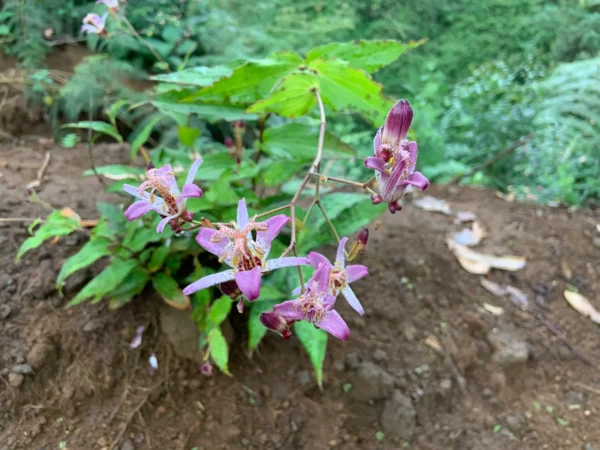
[88, 385]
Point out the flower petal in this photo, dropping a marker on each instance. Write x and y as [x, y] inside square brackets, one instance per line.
[321, 278]
[356, 272]
[167, 177]
[242, 214]
[291, 309]
[161, 225]
[86, 28]
[316, 259]
[352, 300]
[418, 180]
[413, 151]
[329, 302]
[189, 191]
[340, 258]
[158, 204]
[377, 140]
[388, 187]
[216, 248]
[375, 163]
[191, 176]
[397, 123]
[137, 210]
[334, 325]
[208, 281]
[249, 282]
[288, 261]
[274, 226]
[298, 290]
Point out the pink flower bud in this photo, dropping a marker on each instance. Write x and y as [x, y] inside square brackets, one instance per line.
[277, 323]
[228, 141]
[206, 369]
[231, 289]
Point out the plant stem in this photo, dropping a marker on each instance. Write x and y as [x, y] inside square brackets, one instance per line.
[343, 181]
[143, 41]
[329, 222]
[279, 208]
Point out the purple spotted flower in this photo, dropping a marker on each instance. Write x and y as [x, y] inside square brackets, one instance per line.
[340, 276]
[395, 158]
[243, 245]
[171, 202]
[113, 5]
[94, 24]
[315, 305]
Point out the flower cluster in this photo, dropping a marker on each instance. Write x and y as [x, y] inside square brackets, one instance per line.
[395, 158]
[244, 244]
[95, 24]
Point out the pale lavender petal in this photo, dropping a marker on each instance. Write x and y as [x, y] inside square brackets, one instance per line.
[340, 258]
[329, 302]
[204, 239]
[397, 123]
[137, 340]
[412, 152]
[334, 325]
[189, 191]
[353, 300]
[316, 259]
[167, 176]
[191, 176]
[389, 187]
[158, 204]
[356, 272]
[153, 361]
[377, 140]
[93, 19]
[86, 28]
[375, 163]
[249, 282]
[418, 180]
[298, 290]
[274, 226]
[242, 214]
[138, 209]
[321, 277]
[161, 225]
[288, 261]
[292, 309]
[132, 190]
[209, 280]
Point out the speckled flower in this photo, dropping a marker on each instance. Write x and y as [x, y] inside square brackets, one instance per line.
[171, 204]
[395, 158]
[315, 306]
[94, 24]
[340, 276]
[235, 244]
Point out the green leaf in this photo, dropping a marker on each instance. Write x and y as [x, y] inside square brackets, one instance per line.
[143, 136]
[187, 135]
[158, 258]
[299, 142]
[275, 173]
[117, 172]
[345, 88]
[207, 111]
[254, 80]
[314, 342]
[218, 349]
[56, 225]
[89, 253]
[256, 330]
[221, 193]
[220, 310]
[70, 140]
[196, 76]
[100, 127]
[114, 109]
[133, 285]
[367, 55]
[141, 237]
[170, 291]
[293, 97]
[106, 281]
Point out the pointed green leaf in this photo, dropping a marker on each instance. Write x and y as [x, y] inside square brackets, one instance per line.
[187, 135]
[367, 55]
[133, 285]
[256, 330]
[220, 310]
[293, 97]
[344, 88]
[208, 111]
[143, 135]
[196, 76]
[275, 173]
[254, 80]
[218, 349]
[314, 342]
[106, 281]
[114, 110]
[299, 142]
[56, 225]
[168, 288]
[117, 172]
[100, 127]
[158, 258]
[89, 253]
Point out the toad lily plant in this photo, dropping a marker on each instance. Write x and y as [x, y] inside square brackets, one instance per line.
[235, 245]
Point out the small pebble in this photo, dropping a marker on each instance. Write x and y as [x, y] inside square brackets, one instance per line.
[15, 379]
[23, 369]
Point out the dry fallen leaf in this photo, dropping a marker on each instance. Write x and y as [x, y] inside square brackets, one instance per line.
[462, 253]
[582, 305]
[470, 237]
[493, 288]
[429, 203]
[494, 310]
[434, 343]
[471, 266]
[464, 216]
[510, 198]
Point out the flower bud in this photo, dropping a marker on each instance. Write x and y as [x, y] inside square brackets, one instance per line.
[206, 369]
[277, 323]
[394, 207]
[376, 199]
[360, 245]
[228, 141]
[231, 289]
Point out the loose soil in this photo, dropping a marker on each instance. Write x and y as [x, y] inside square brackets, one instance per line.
[426, 367]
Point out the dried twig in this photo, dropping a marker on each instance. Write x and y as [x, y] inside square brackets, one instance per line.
[40, 173]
